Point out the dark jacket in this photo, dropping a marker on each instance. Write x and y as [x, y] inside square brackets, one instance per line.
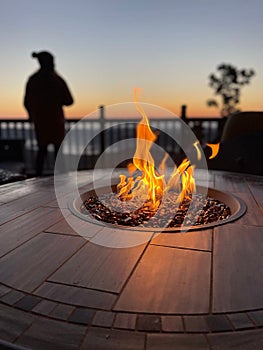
[46, 93]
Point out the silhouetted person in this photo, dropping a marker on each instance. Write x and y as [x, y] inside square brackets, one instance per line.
[46, 94]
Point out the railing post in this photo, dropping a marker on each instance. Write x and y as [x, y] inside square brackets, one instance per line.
[183, 112]
[102, 126]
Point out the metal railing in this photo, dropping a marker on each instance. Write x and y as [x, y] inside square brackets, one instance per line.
[105, 132]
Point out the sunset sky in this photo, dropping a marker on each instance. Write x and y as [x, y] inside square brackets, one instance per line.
[104, 48]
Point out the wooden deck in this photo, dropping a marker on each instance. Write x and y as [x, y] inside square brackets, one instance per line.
[195, 290]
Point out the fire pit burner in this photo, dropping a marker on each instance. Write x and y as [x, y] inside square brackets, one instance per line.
[106, 209]
[212, 210]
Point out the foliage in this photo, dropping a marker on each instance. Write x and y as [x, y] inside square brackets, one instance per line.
[227, 83]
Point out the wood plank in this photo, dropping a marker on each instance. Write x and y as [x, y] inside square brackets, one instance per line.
[99, 267]
[253, 215]
[29, 265]
[102, 339]
[86, 176]
[237, 268]
[172, 324]
[200, 240]
[50, 334]
[168, 280]
[76, 296]
[257, 191]
[19, 230]
[176, 341]
[125, 321]
[85, 183]
[231, 183]
[119, 238]
[41, 181]
[245, 340]
[24, 204]
[76, 226]
[8, 214]
[64, 199]
[204, 183]
[10, 193]
[204, 178]
[13, 322]
[202, 174]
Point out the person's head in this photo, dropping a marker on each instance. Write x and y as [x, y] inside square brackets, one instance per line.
[45, 59]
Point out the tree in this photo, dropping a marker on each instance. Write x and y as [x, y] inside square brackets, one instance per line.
[227, 83]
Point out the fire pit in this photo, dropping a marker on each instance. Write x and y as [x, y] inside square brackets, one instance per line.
[91, 207]
[146, 199]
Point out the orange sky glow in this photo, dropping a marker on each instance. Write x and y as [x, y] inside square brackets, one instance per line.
[103, 49]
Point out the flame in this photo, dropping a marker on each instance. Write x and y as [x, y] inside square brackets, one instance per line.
[215, 149]
[151, 185]
[162, 166]
[196, 145]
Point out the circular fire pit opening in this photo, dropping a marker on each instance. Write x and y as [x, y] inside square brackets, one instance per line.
[231, 208]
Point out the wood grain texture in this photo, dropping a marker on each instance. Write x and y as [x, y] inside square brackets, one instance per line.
[231, 182]
[254, 215]
[49, 334]
[24, 204]
[18, 190]
[13, 323]
[182, 341]
[71, 225]
[237, 268]
[77, 296]
[168, 280]
[246, 340]
[29, 265]
[42, 255]
[199, 240]
[103, 339]
[21, 229]
[99, 267]
[256, 189]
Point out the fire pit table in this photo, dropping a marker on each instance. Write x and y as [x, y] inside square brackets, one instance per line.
[202, 289]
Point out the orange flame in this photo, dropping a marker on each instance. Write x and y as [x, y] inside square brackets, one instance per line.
[150, 185]
[215, 149]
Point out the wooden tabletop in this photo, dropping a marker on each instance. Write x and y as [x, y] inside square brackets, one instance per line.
[195, 290]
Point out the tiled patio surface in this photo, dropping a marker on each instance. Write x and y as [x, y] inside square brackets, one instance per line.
[195, 290]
